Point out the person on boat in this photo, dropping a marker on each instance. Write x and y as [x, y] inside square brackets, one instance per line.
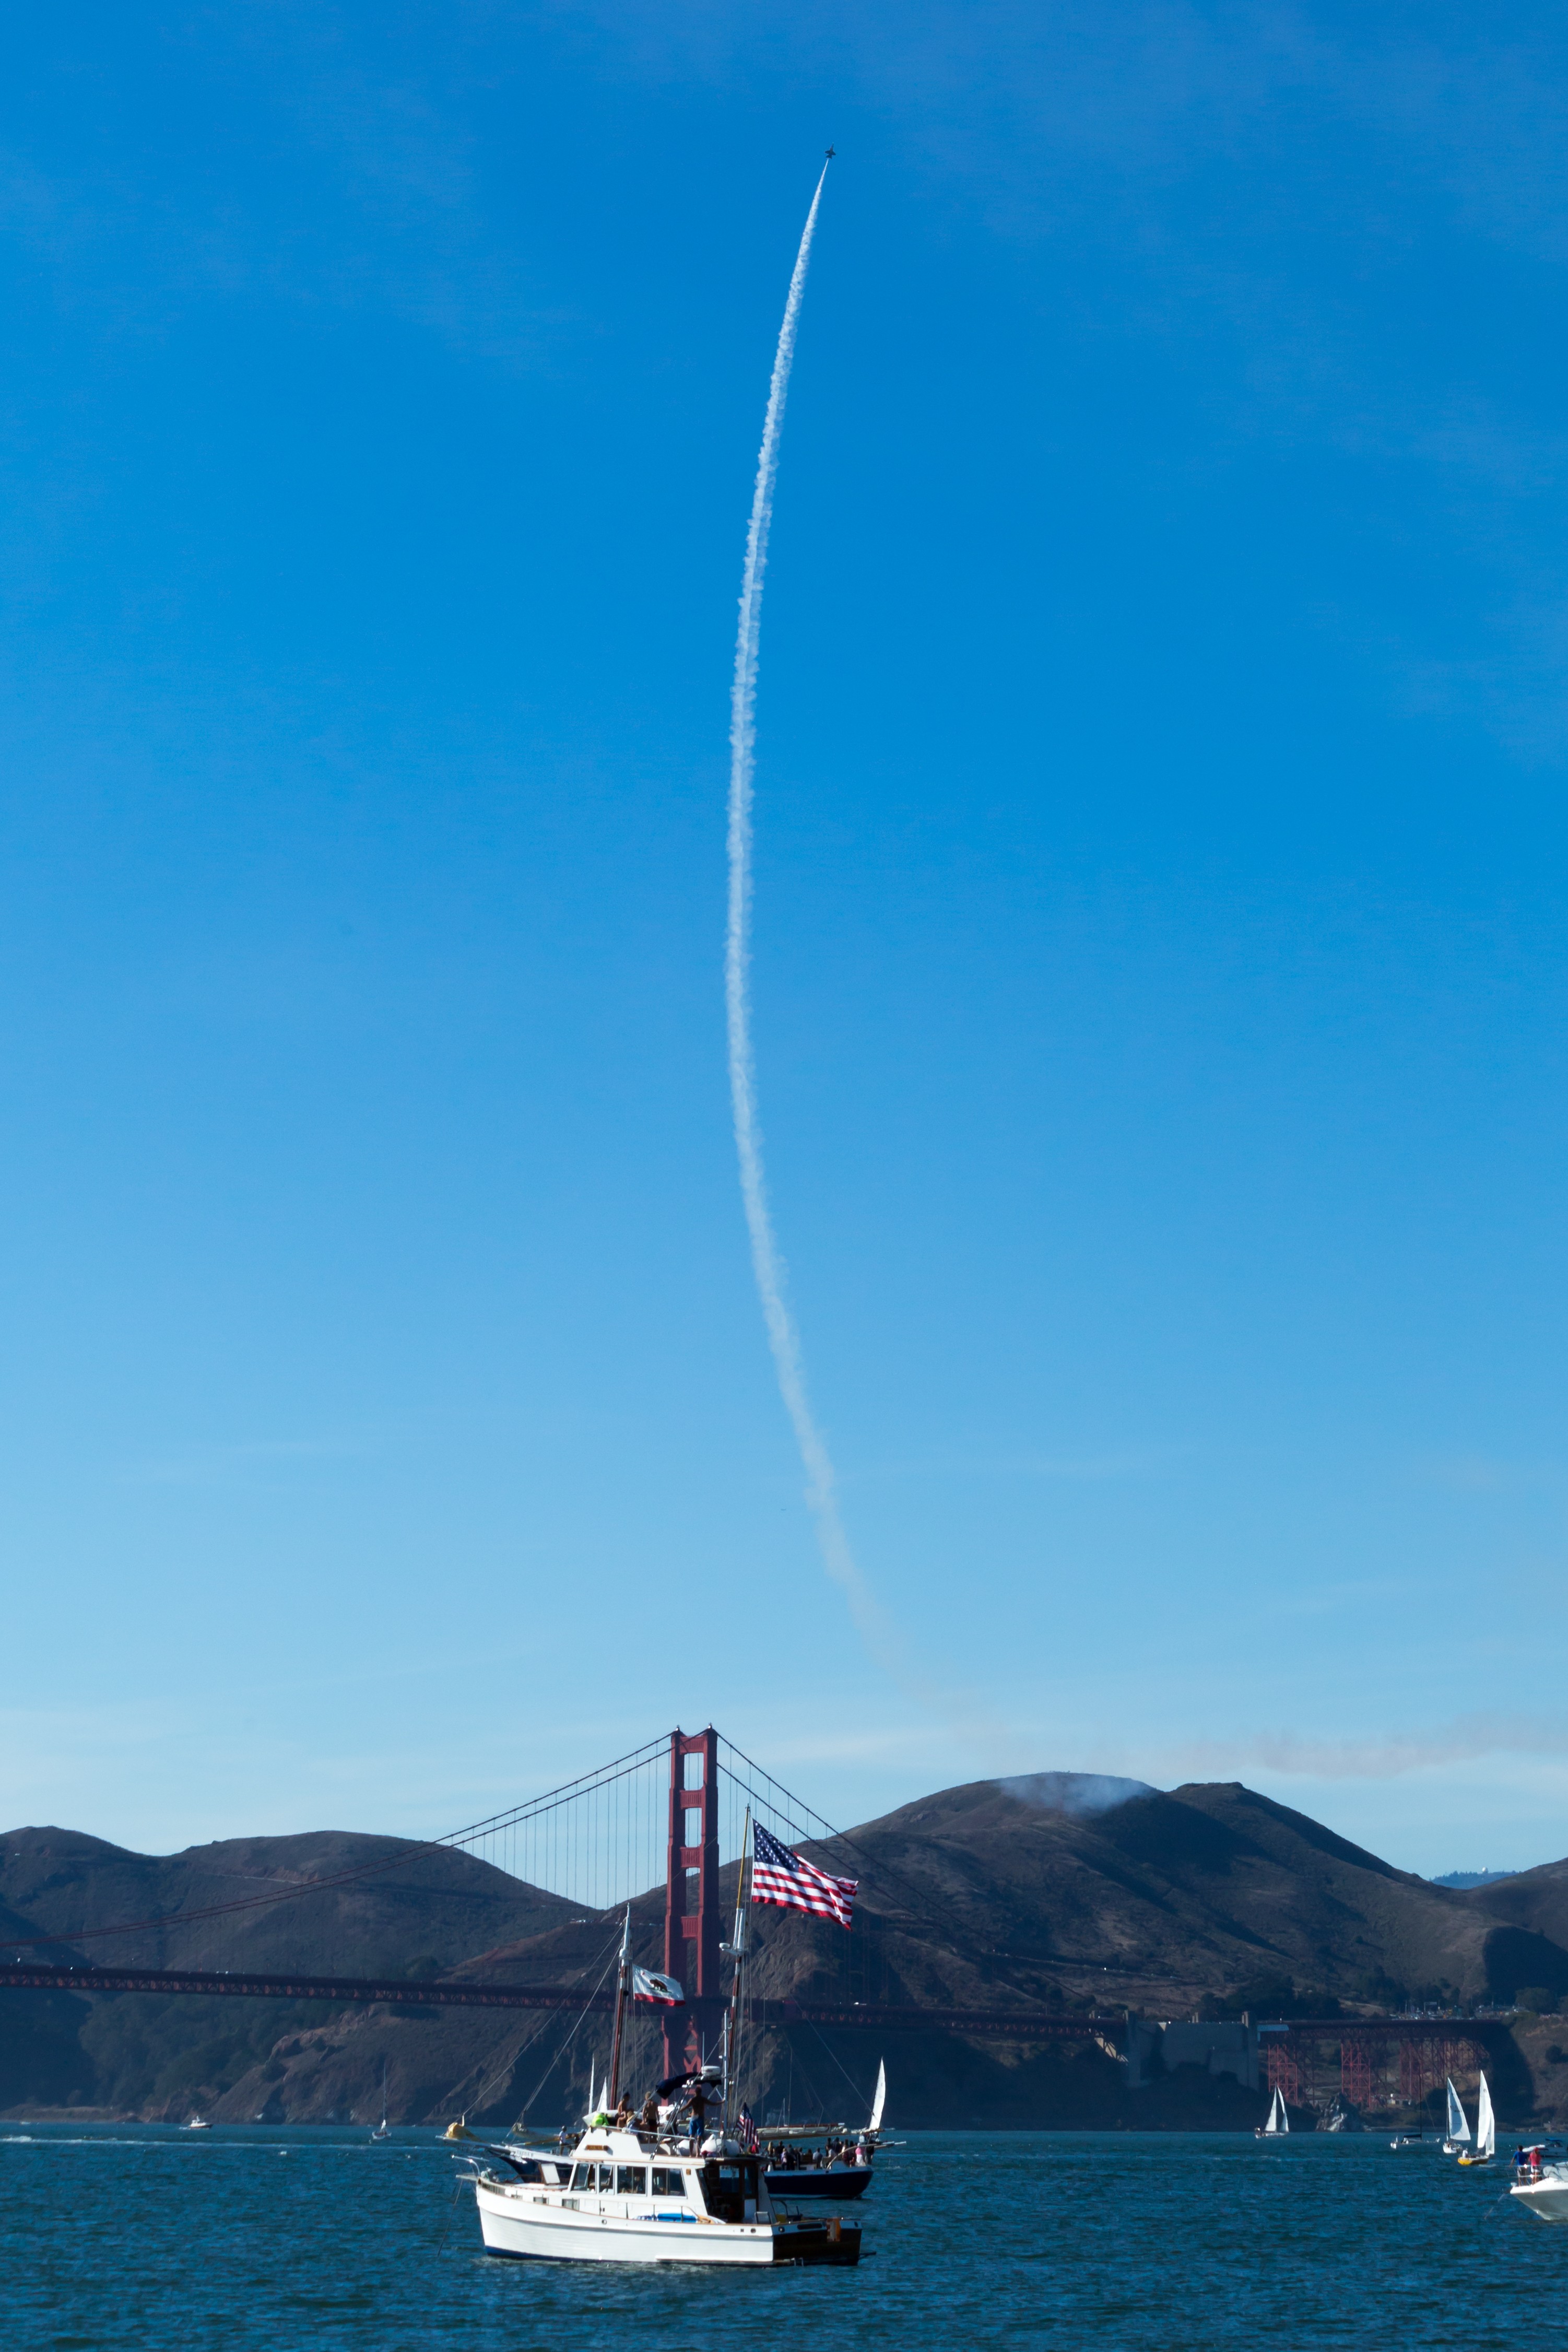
[704, 2093]
[623, 2113]
[648, 2121]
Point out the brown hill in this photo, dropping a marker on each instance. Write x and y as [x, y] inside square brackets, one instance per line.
[408, 1902]
[1157, 1902]
[1528, 1944]
[1049, 1891]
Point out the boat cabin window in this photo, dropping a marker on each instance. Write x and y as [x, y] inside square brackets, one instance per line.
[666, 2181]
[629, 2180]
[729, 2188]
[594, 2176]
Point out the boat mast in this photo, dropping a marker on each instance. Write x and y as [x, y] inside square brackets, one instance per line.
[623, 1986]
[737, 1951]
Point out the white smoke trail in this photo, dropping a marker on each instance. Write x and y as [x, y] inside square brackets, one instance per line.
[822, 1485]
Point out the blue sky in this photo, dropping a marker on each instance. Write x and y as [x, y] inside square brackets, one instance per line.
[1160, 978]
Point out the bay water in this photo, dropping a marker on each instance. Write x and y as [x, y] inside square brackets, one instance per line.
[258, 2240]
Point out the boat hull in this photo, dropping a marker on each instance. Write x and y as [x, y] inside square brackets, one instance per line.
[1546, 2199]
[840, 2182]
[523, 2226]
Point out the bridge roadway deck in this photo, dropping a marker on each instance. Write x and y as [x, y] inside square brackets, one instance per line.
[420, 1993]
[445, 1992]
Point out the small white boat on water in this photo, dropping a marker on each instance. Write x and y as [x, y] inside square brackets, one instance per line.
[195, 2122]
[1541, 2179]
[384, 2129]
[1459, 2133]
[1485, 2130]
[1278, 2119]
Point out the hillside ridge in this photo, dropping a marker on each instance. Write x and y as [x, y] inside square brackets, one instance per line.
[1060, 1891]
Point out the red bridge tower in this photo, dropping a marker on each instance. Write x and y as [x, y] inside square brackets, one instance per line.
[691, 1901]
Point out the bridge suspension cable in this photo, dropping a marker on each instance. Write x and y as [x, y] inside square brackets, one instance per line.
[623, 1819]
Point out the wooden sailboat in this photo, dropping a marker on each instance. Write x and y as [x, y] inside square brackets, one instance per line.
[839, 2168]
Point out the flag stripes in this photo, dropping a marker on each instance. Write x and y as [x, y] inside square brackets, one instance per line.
[796, 1884]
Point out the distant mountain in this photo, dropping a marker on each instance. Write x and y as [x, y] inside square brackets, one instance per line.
[1531, 1908]
[421, 1903]
[1159, 1902]
[1055, 1890]
[1466, 1878]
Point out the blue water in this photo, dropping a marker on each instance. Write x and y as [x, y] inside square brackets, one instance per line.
[122, 2236]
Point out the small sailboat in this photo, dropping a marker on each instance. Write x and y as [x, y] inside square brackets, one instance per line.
[839, 2170]
[384, 2129]
[1459, 2133]
[1278, 2121]
[1486, 2129]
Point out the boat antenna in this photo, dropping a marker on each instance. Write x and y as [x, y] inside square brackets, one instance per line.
[623, 1986]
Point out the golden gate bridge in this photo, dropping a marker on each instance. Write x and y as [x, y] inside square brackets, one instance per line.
[665, 1820]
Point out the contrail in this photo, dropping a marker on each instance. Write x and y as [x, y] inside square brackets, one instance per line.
[822, 1485]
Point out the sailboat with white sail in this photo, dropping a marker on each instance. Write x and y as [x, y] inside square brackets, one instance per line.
[1486, 2129]
[841, 2168]
[384, 2129]
[1459, 2133]
[1278, 2119]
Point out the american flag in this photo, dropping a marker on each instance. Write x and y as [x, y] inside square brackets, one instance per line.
[779, 1876]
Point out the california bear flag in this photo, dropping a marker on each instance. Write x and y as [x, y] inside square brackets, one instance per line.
[647, 1984]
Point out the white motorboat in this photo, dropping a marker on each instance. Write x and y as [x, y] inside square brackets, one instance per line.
[632, 2197]
[1541, 2179]
[667, 2190]
[1459, 2133]
[1485, 2130]
[195, 2122]
[1277, 2120]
